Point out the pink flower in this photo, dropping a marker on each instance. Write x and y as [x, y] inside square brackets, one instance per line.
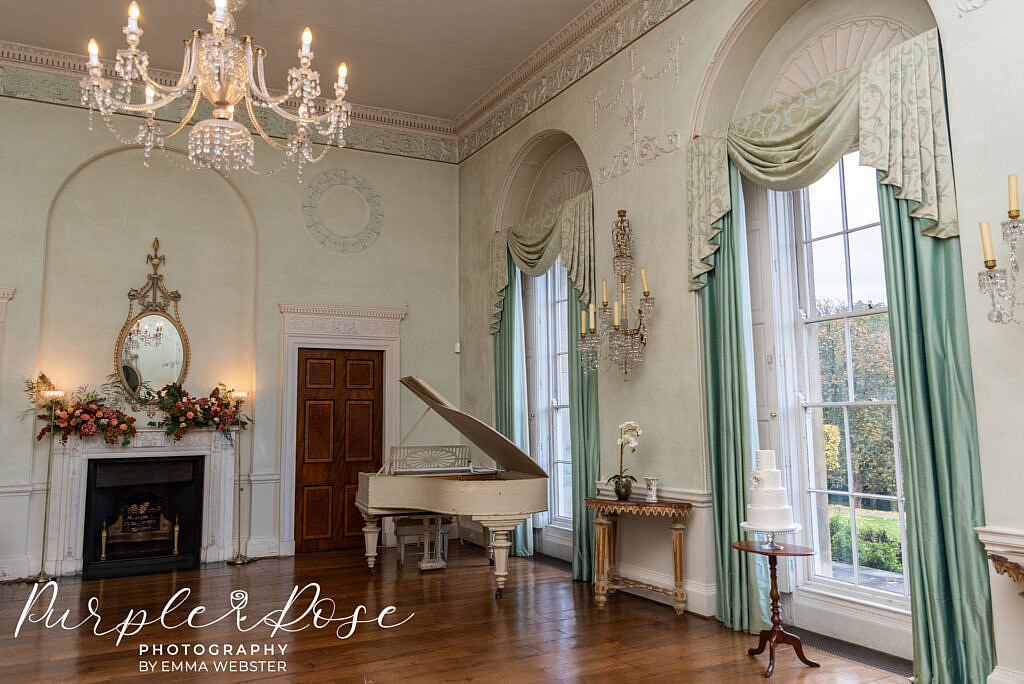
[88, 429]
[190, 415]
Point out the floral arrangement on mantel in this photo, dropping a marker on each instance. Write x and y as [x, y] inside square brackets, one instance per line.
[629, 438]
[86, 413]
[182, 412]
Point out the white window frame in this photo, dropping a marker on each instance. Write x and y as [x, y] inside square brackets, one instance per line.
[794, 337]
[542, 369]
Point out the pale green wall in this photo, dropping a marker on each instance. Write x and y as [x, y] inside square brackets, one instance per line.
[235, 255]
[981, 52]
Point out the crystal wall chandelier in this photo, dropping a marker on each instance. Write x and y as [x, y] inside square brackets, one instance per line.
[228, 72]
[1000, 286]
[625, 345]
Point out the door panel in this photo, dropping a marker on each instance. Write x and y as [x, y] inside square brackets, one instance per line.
[339, 434]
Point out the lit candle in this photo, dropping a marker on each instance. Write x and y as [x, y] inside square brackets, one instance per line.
[1014, 200]
[307, 40]
[593, 317]
[986, 242]
[220, 10]
[604, 292]
[583, 322]
[94, 53]
[342, 74]
[615, 316]
[643, 281]
[133, 17]
[150, 94]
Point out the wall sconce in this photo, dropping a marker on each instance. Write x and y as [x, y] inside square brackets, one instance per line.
[997, 283]
[239, 558]
[239, 397]
[54, 396]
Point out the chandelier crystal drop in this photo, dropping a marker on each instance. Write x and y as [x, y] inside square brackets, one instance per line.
[227, 71]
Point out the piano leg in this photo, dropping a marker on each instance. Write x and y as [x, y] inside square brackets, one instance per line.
[501, 529]
[371, 533]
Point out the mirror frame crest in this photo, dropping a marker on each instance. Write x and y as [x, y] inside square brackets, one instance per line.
[153, 298]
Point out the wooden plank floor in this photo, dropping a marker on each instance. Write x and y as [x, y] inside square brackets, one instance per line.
[545, 629]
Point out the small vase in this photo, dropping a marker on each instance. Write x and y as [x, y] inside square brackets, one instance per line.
[623, 488]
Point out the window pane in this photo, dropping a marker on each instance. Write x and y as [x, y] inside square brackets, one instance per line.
[562, 397]
[561, 280]
[874, 464]
[828, 273]
[861, 184]
[825, 203]
[561, 331]
[879, 548]
[867, 269]
[827, 365]
[827, 433]
[563, 496]
[872, 358]
[834, 540]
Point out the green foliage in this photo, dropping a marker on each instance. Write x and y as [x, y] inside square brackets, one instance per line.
[871, 428]
[878, 542]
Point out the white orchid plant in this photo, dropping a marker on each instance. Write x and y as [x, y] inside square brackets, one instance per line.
[629, 438]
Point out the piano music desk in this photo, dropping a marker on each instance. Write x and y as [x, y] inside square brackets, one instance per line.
[606, 577]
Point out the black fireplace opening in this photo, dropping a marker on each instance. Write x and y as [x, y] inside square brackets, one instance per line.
[142, 516]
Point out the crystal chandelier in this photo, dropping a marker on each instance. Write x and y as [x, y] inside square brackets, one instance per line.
[1001, 286]
[625, 345]
[140, 335]
[228, 72]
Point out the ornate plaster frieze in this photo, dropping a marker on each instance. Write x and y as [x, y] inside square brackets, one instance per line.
[641, 149]
[366, 235]
[598, 33]
[602, 31]
[52, 76]
[334, 321]
[966, 6]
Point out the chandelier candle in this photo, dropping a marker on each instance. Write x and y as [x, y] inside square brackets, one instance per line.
[228, 72]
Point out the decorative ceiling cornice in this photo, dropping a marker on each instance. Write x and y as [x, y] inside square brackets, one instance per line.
[594, 36]
[598, 33]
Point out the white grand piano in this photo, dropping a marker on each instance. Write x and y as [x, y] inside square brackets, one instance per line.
[499, 499]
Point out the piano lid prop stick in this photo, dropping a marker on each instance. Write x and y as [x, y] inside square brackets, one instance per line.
[414, 426]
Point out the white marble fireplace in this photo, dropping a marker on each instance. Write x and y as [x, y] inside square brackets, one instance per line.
[69, 468]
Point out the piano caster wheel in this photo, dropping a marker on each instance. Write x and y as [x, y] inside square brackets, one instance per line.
[373, 572]
[490, 561]
[497, 594]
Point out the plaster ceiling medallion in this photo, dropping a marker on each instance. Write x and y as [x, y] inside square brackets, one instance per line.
[311, 214]
[840, 47]
[642, 149]
[227, 71]
[966, 6]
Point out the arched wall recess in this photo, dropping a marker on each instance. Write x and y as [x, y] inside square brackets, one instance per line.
[206, 229]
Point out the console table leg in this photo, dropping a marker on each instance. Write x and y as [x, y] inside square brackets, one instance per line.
[602, 527]
[678, 592]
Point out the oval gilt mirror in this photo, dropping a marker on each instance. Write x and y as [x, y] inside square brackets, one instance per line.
[152, 349]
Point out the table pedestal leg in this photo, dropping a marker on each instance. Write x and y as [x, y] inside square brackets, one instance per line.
[602, 556]
[771, 637]
[678, 592]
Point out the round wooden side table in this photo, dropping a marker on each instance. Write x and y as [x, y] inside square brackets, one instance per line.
[776, 634]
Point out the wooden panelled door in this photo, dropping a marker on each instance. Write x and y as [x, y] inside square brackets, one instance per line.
[340, 433]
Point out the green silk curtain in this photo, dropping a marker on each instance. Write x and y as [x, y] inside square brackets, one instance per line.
[585, 435]
[509, 388]
[947, 568]
[731, 422]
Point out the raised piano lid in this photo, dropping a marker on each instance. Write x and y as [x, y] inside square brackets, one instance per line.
[490, 441]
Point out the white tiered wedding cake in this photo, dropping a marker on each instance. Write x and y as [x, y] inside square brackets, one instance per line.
[768, 509]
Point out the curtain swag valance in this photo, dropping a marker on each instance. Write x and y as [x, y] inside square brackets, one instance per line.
[566, 229]
[893, 106]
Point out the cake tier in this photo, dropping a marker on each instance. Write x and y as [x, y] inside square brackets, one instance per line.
[770, 479]
[765, 459]
[770, 517]
[768, 497]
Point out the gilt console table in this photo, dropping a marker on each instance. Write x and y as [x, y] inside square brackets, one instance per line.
[606, 577]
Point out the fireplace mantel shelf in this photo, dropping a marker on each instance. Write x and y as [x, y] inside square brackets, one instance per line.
[69, 466]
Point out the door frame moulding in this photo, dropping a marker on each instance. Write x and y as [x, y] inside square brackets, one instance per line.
[333, 327]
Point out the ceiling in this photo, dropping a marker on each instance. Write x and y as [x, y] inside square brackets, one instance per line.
[431, 57]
